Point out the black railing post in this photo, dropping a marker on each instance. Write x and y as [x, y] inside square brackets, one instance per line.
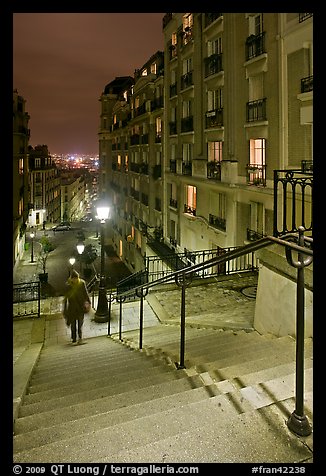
[298, 422]
[183, 281]
[120, 300]
[110, 299]
[141, 293]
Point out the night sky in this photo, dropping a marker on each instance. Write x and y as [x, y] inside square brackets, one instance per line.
[62, 63]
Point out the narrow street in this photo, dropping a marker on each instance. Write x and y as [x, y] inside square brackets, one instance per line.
[58, 261]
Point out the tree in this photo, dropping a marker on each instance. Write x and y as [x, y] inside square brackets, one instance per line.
[46, 248]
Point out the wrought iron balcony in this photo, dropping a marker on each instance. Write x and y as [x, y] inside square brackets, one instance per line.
[187, 168]
[255, 45]
[173, 166]
[173, 127]
[214, 118]
[189, 209]
[256, 174]
[187, 124]
[256, 110]
[210, 17]
[307, 84]
[217, 222]
[253, 235]
[173, 90]
[173, 203]
[186, 80]
[214, 170]
[213, 64]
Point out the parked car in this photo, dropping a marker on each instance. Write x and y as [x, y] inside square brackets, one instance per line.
[62, 227]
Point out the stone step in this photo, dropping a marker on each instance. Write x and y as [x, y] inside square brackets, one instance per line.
[111, 399]
[134, 433]
[152, 378]
[68, 386]
[58, 354]
[192, 341]
[260, 373]
[64, 429]
[231, 367]
[248, 438]
[80, 373]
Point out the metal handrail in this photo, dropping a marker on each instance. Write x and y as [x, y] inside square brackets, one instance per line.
[286, 240]
[298, 422]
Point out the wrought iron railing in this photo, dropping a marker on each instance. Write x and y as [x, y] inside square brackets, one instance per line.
[293, 205]
[27, 299]
[298, 422]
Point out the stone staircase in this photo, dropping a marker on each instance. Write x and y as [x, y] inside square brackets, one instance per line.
[107, 401]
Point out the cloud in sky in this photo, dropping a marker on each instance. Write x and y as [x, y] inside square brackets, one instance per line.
[62, 63]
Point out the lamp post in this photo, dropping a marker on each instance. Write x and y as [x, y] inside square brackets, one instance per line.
[72, 262]
[80, 248]
[102, 311]
[32, 235]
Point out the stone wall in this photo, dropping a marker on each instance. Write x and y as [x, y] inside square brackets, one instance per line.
[275, 310]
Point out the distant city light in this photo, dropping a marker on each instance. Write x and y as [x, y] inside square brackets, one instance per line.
[73, 161]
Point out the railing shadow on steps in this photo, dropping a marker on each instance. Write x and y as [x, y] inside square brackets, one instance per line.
[292, 242]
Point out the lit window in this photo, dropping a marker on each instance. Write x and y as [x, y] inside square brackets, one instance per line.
[214, 151]
[153, 68]
[191, 199]
[257, 151]
[21, 166]
[158, 124]
[256, 167]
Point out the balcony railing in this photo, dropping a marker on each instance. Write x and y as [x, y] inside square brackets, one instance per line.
[157, 103]
[134, 139]
[217, 222]
[186, 80]
[214, 170]
[157, 171]
[253, 235]
[214, 118]
[173, 203]
[210, 17]
[255, 45]
[213, 64]
[173, 127]
[256, 110]
[173, 90]
[189, 209]
[187, 168]
[293, 207]
[187, 124]
[138, 111]
[256, 174]
[304, 16]
[307, 84]
[173, 166]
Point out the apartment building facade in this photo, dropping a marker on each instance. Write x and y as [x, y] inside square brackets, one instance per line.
[74, 194]
[237, 107]
[21, 135]
[131, 136]
[237, 97]
[234, 112]
[44, 187]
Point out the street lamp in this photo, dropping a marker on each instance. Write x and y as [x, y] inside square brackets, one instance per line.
[80, 248]
[32, 235]
[72, 262]
[102, 312]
